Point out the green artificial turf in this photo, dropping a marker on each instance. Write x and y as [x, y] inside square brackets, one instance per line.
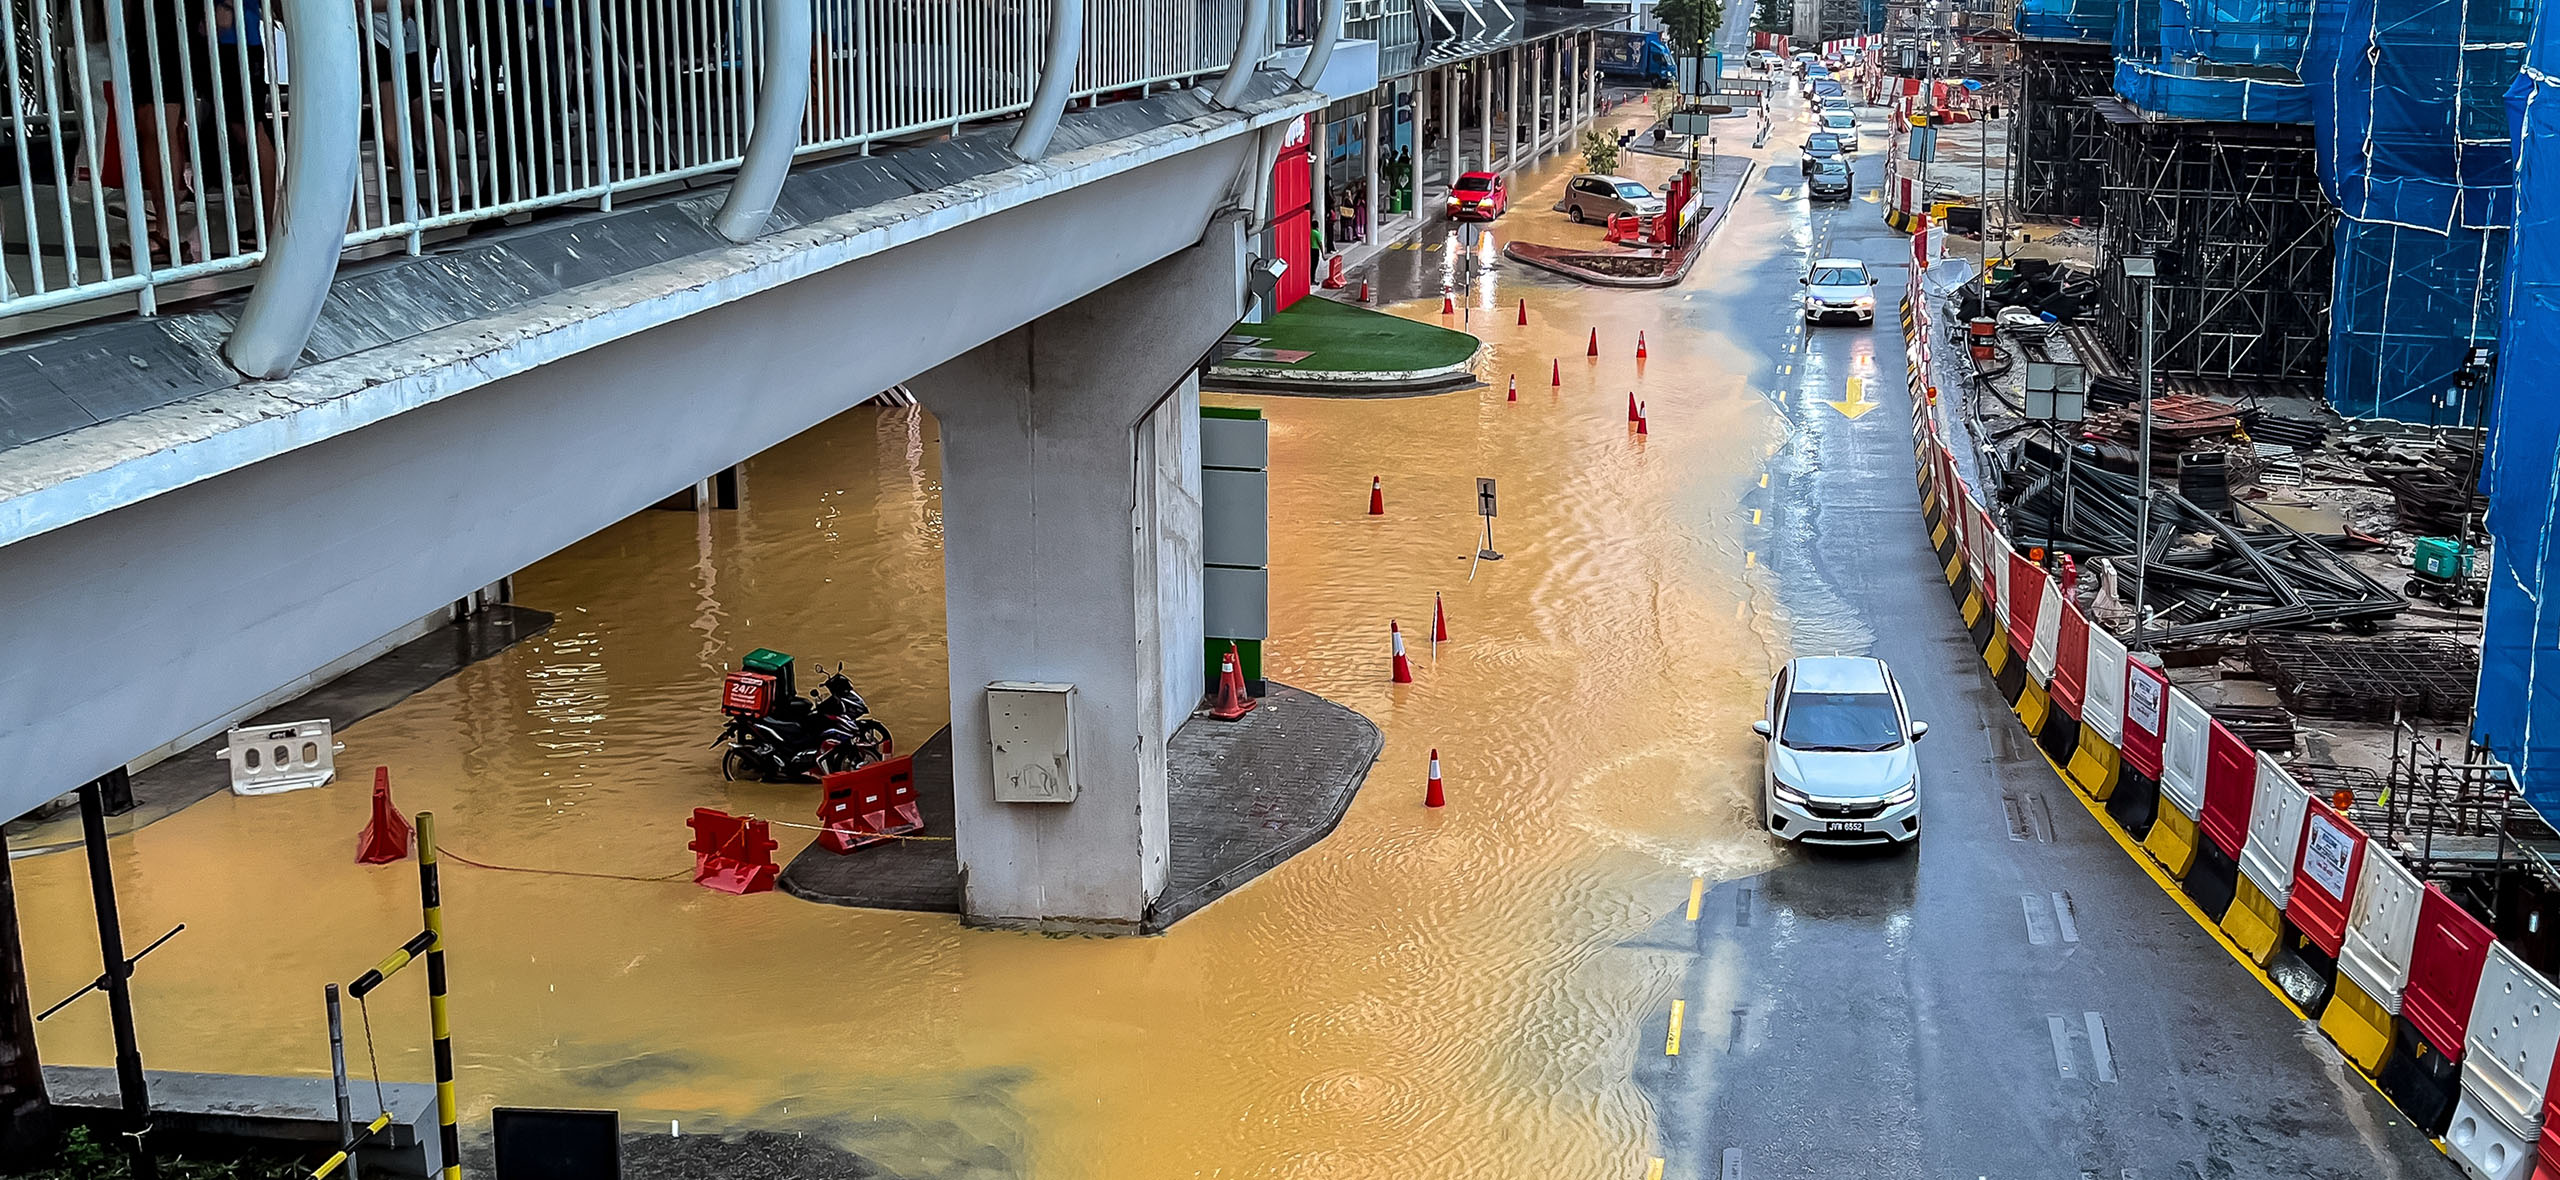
[1346, 338]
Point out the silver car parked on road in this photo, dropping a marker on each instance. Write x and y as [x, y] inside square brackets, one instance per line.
[1595, 197]
[1841, 768]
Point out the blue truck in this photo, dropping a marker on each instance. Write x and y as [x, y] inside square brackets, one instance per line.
[1637, 57]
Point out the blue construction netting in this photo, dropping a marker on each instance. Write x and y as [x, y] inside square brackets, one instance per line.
[2409, 113]
[2236, 61]
[2067, 20]
[2518, 715]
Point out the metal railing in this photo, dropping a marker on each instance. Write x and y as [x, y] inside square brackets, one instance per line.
[144, 137]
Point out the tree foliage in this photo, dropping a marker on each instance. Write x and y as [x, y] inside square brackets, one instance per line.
[1690, 25]
[1600, 150]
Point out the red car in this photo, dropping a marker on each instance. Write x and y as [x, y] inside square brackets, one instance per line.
[1478, 196]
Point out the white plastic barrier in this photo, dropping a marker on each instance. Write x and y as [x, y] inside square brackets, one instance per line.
[2182, 753]
[2275, 835]
[2382, 927]
[2506, 1063]
[2041, 653]
[2104, 709]
[273, 759]
[1999, 575]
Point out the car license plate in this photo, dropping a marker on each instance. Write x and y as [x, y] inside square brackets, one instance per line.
[1843, 825]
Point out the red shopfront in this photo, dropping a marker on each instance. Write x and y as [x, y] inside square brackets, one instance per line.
[1293, 214]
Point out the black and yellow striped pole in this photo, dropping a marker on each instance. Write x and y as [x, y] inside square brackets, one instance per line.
[432, 899]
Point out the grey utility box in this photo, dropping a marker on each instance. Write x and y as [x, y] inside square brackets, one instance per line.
[1031, 736]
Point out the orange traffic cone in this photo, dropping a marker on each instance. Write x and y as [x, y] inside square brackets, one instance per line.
[1448, 306]
[1232, 702]
[1639, 346]
[1378, 493]
[1555, 375]
[1432, 795]
[1524, 312]
[1514, 392]
[1632, 412]
[1594, 350]
[386, 835]
[1439, 620]
[1364, 290]
[1395, 647]
[1640, 418]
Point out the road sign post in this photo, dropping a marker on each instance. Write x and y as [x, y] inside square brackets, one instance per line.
[1485, 508]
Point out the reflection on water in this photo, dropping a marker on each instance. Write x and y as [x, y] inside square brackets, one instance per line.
[1425, 993]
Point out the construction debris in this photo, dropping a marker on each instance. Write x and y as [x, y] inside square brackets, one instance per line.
[2208, 576]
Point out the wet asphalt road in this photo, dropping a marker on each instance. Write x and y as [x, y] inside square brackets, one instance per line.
[2017, 998]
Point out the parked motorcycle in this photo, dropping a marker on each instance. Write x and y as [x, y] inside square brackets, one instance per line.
[776, 735]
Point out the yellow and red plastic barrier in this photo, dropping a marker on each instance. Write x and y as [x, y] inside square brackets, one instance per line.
[2459, 1031]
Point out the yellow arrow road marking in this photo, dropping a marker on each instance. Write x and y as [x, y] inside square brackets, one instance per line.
[1671, 1048]
[1653, 1171]
[1697, 893]
[1856, 405]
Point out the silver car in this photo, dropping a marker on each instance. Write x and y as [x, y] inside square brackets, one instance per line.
[1595, 197]
[1839, 288]
[1841, 768]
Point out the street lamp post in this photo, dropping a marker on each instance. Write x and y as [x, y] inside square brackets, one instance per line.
[2142, 267]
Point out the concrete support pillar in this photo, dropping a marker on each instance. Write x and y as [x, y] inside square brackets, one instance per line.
[1450, 134]
[1369, 167]
[1590, 66]
[1071, 555]
[1484, 107]
[1537, 63]
[1511, 116]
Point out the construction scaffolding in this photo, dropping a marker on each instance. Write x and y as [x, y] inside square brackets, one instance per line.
[2223, 60]
[2233, 215]
[2409, 103]
[2521, 640]
[2056, 136]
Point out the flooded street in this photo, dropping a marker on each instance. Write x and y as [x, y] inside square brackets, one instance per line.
[1425, 992]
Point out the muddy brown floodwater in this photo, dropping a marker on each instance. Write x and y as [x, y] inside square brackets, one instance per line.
[1425, 993]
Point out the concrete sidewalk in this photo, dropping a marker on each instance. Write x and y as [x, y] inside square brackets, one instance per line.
[1243, 796]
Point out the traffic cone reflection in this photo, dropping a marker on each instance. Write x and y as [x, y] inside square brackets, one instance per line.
[1432, 795]
[1395, 646]
[1378, 492]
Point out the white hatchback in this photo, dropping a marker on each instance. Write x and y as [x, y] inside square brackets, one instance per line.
[1841, 767]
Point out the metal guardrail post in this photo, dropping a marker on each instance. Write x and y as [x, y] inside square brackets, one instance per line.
[1328, 32]
[1257, 17]
[1057, 80]
[322, 142]
[780, 102]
